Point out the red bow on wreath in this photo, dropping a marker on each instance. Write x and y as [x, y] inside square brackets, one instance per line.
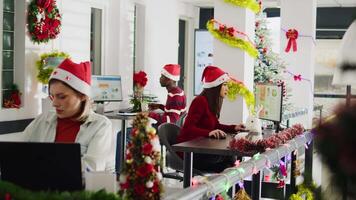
[292, 36]
[46, 4]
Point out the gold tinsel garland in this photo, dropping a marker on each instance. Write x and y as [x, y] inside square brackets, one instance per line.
[250, 4]
[232, 40]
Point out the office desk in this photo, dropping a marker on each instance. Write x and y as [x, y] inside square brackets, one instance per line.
[123, 117]
[212, 146]
[220, 147]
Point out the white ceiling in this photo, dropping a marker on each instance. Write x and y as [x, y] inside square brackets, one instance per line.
[275, 3]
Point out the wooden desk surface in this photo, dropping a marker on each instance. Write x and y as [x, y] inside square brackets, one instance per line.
[209, 146]
[116, 115]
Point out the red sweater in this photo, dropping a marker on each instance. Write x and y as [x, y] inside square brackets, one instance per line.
[67, 130]
[200, 121]
[175, 106]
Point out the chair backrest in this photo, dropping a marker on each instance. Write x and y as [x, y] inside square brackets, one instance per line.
[181, 119]
[167, 133]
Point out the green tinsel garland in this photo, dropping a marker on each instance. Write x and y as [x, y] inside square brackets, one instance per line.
[304, 192]
[250, 4]
[232, 41]
[18, 193]
[44, 73]
[236, 88]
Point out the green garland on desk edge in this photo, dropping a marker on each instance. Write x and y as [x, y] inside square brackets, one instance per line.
[250, 4]
[237, 88]
[44, 73]
[232, 41]
[18, 193]
[304, 192]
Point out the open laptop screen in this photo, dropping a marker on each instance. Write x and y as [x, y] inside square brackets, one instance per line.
[41, 166]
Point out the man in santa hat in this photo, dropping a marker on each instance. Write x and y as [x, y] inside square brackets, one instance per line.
[176, 99]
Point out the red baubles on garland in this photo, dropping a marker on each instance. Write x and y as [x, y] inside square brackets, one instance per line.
[43, 20]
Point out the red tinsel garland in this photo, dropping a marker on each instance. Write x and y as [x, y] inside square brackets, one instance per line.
[274, 141]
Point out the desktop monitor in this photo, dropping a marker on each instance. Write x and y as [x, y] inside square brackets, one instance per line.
[42, 166]
[270, 97]
[106, 88]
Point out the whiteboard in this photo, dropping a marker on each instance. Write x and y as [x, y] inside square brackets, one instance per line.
[203, 56]
[270, 97]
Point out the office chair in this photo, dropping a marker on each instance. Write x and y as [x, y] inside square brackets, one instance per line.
[181, 119]
[167, 134]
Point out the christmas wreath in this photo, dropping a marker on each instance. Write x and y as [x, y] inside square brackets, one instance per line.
[45, 67]
[43, 20]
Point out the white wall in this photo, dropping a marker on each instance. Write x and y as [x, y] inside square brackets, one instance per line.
[160, 44]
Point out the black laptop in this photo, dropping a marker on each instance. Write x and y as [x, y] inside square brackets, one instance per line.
[42, 166]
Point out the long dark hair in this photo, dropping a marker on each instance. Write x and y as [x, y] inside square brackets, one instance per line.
[214, 99]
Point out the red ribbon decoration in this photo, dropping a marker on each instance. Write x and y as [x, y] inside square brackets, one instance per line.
[297, 77]
[292, 36]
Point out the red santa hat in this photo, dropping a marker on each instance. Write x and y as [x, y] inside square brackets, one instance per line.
[171, 71]
[77, 76]
[213, 76]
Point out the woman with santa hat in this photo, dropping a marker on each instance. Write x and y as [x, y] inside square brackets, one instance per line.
[203, 119]
[73, 119]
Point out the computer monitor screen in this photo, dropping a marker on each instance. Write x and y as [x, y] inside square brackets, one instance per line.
[106, 88]
[270, 97]
[42, 166]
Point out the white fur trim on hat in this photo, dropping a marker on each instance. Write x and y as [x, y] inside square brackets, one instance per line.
[168, 75]
[72, 80]
[223, 78]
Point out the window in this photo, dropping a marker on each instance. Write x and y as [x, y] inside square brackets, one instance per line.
[8, 35]
[95, 40]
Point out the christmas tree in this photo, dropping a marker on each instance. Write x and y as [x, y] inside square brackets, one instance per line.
[269, 67]
[141, 176]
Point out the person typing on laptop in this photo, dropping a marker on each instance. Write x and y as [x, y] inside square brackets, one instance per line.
[176, 99]
[74, 119]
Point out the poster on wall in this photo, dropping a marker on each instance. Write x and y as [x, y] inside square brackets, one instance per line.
[203, 56]
[270, 98]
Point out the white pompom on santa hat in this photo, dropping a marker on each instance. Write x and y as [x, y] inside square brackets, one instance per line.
[213, 76]
[77, 76]
[171, 71]
[345, 72]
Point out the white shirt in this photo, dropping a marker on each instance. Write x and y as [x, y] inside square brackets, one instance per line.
[94, 137]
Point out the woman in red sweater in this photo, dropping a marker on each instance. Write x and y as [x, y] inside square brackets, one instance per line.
[203, 120]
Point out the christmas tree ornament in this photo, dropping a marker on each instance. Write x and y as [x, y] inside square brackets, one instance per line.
[141, 177]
